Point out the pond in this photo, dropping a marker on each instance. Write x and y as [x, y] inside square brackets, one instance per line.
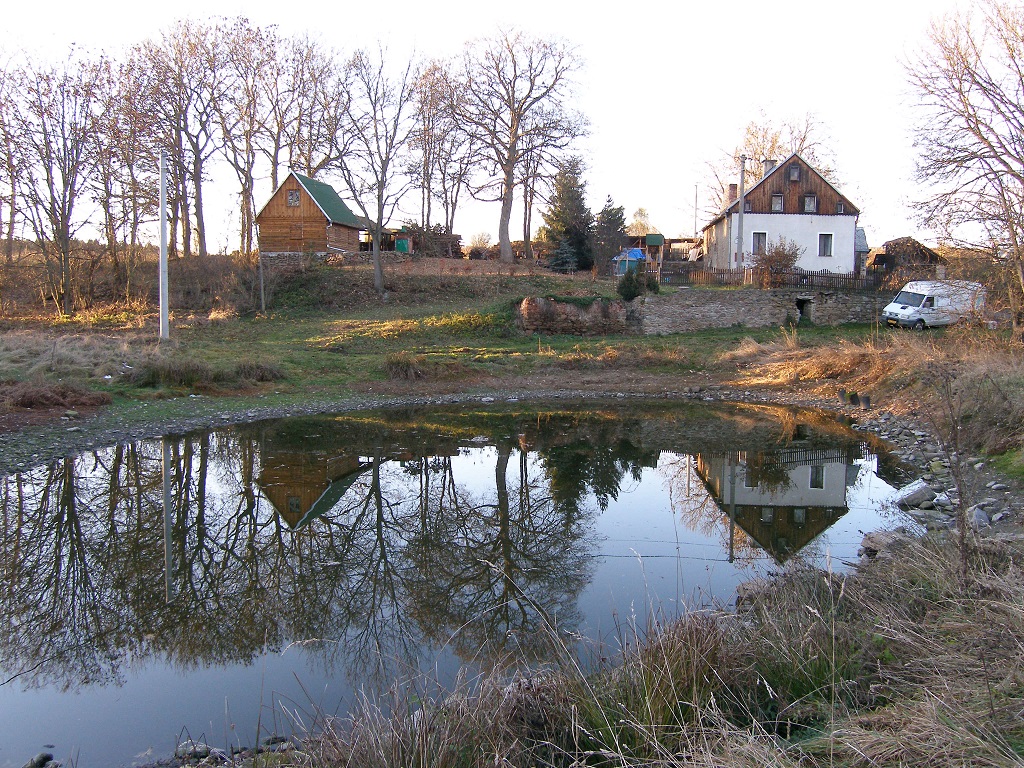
[239, 583]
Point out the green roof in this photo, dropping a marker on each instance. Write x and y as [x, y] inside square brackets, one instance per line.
[327, 200]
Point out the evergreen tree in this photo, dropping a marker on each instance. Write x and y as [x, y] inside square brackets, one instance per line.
[567, 217]
[609, 230]
[564, 259]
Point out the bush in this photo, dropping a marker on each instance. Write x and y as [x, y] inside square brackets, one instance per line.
[405, 365]
[779, 257]
[629, 286]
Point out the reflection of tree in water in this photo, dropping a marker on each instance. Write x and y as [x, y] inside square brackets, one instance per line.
[597, 465]
[499, 575]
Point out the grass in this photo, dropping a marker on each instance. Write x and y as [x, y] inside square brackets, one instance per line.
[901, 663]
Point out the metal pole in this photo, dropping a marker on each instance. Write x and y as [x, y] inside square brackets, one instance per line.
[695, 210]
[739, 218]
[165, 326]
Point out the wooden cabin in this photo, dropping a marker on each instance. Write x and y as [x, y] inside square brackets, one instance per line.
[306, 216]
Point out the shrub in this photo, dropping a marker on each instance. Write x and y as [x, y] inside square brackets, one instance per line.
[629, 286]
[779, 257]
[173, 373]
[405, 365]
[251, 370]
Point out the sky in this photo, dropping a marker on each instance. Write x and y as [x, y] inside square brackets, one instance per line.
[666, 87]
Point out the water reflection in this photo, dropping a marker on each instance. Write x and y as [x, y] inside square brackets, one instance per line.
[372, 536]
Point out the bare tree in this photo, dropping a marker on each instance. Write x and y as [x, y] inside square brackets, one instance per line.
[378, 167]
[765, 139]
[10, 157]
[513, 91]
[124, 184]
[306, 93]
[185, 85]
[446, 152]
[56, 123]
[241, 110]
[971, 136]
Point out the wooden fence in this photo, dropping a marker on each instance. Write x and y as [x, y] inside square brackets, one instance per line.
[696, 274]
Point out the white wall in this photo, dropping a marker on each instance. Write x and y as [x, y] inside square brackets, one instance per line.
[804, 230]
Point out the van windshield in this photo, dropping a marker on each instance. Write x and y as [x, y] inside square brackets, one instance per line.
[909, 298]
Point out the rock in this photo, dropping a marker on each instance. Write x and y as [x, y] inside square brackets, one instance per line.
[877, 542]
[978, 518]
[192, 750]
[914, 494]
[71, 414]
[979, 465]
[39, 760]
[926, 505]
[999, 486]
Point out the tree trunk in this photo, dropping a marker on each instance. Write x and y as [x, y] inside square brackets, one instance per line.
[504, 241]
[197, 174]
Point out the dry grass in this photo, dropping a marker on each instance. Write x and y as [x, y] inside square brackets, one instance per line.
[903, 663]
[36, 394]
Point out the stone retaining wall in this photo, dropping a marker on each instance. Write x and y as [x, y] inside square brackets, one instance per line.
[690, 309]
[549, 316]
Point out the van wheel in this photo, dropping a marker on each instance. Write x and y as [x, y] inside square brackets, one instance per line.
[919, 325]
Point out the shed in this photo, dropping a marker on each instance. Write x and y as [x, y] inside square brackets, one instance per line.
[307, 216]
[631, 258]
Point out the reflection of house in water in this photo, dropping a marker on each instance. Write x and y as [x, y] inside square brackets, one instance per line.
[302, 485]
[782, 499]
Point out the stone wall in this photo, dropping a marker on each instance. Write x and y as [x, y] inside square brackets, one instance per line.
[690, 309]
[541, 315]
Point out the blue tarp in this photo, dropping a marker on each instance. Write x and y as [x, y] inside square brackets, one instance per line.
[627, 259]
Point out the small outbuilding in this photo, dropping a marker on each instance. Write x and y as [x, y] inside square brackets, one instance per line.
[306, 216]
[633, 258]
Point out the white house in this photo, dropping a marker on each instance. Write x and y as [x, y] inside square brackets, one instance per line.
[794, 201]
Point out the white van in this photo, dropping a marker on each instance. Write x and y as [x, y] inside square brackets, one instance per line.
[927, 303]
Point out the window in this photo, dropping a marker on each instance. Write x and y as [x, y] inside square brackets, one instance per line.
[760, 244]
[776, 203]
[746, 206]
[294, 505]
[799, 515]
[818, 476]
[840, 208]
[825, 244]
[794, 172]
[810, 203]
[748, 478]
[767, 515]
[293, 198]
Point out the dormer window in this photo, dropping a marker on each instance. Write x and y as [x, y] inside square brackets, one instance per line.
[777, 203]
[794, 171]
[810, 203]
[293, 198]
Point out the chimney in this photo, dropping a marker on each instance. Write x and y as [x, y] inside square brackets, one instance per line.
[734, 193]
[769, 165]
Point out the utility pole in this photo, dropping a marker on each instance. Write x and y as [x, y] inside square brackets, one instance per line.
[739, 218]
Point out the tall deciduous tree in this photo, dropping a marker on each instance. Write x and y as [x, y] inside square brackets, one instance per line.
[445, 151]
[10, 157]
[513, 90]
[971, 136]
[567, 219]
[378, 167]
[57, 123]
